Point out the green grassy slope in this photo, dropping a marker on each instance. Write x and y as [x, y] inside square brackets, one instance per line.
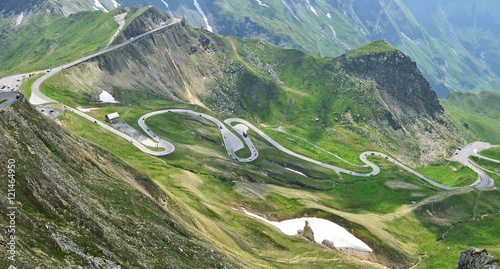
[480, 113]
[493, 153]
[50, 40]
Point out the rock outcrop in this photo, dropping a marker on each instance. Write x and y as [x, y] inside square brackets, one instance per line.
[405, 91]
[475, 258]
[308, 232]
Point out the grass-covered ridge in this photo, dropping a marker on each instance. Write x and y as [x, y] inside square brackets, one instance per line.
[378, 46]
[479, 114]
[50, 40]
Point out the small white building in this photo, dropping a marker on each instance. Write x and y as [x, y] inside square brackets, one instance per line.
[112, 118]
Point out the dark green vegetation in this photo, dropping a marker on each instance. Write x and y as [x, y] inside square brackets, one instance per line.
[49, 40]
[87, 208]
[479, 114]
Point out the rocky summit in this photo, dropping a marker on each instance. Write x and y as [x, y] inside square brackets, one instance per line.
[476, 258]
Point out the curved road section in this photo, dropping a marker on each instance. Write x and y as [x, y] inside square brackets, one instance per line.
[232, 144]
[37, 98]
[462, 156]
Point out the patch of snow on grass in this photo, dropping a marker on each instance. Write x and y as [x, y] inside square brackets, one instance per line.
[284, 3]
[106, 97]
[300, 173]
[408, 38]
[335, 36]
[328, 15]
[260, 3]
[19, 19]
[86, 109]
[165, 3]
[99, 6]
[311, 7]
[198, 7]
[322, 229]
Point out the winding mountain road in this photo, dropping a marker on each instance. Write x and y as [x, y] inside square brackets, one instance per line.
[232, 142]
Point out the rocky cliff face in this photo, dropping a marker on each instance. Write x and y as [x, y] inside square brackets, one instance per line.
[78, 205]
[475, 258]
[407, 94]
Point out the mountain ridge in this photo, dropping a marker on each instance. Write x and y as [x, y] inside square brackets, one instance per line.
[190, 65]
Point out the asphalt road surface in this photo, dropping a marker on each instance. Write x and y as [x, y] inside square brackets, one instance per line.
[10, 97]
[462, 156]
[120, 19]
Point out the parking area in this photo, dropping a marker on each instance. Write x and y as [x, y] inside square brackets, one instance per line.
[50, 111]
[129, 130]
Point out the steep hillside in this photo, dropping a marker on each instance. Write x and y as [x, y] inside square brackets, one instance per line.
[78, 205]
[25, 8]
[479, 114]
[48, 39]
[254, 79]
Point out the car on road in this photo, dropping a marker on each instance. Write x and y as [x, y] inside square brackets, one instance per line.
[459, 148]
[220, 126]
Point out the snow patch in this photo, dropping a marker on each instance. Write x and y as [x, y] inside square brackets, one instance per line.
[86, 109]
[311, 7]
[165, 3]
[198, 7]
[99, 6]
[300, 173]
[408, 38]
[335, 36]
[284, 3]
[322, 229]
[19, 19]
[115, 4]
[260, 3]
[328, 15]
[106, 97]
[334, 33]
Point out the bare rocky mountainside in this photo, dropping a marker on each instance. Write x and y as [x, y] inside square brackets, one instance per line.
[375, 91]
[80, 206]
